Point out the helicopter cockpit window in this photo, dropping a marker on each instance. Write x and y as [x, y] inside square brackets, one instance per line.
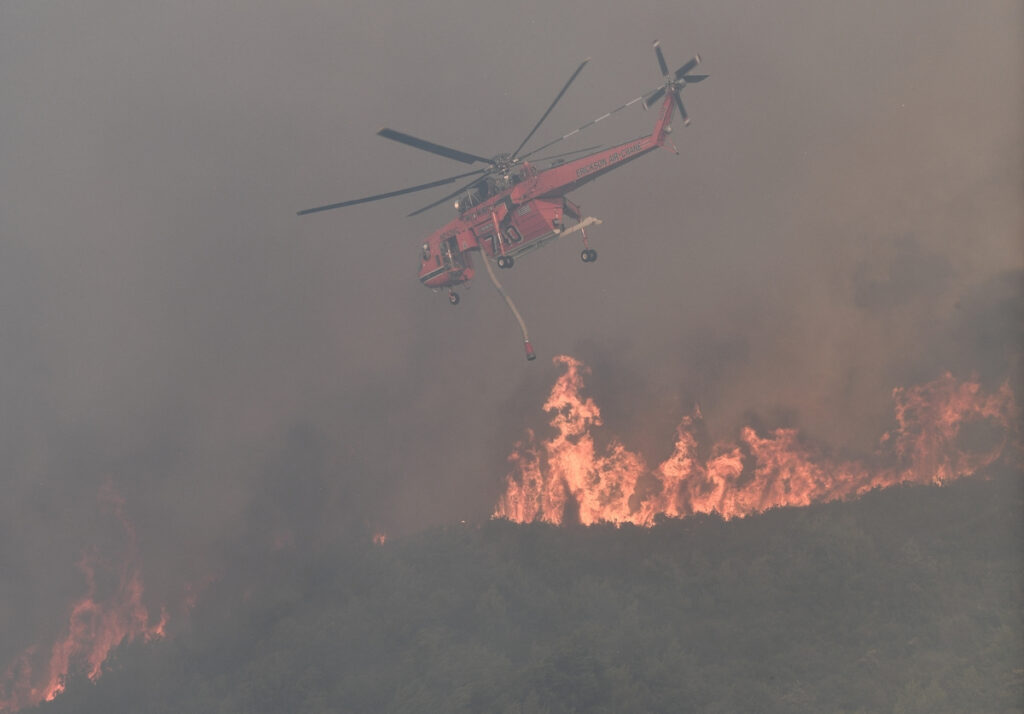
[426, 251]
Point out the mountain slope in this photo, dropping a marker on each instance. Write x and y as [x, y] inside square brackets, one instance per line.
[907, 600]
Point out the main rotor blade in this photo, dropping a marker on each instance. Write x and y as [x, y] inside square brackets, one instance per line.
[694, 78]
[568, 153]
[389, 194]
[576, 131]
[682, 109]
[661, 59]
[687, 67]
[537, 125]
[430, 146]
[450, 196]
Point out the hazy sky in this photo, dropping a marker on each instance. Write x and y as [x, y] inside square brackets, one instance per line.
[844, 217]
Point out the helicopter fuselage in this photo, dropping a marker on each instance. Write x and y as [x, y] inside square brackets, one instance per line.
[511, 208]
[532, 211]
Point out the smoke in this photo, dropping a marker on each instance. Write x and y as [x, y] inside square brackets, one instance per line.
[843, 219]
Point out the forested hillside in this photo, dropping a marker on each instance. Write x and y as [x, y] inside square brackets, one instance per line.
[908, 600]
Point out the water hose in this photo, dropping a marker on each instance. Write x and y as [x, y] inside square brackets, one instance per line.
[511, 305]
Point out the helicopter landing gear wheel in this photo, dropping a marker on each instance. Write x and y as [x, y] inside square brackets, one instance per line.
[506, 261]
[453, 297]
[589, 255]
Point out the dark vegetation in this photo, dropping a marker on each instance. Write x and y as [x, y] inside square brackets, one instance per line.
[908, 600]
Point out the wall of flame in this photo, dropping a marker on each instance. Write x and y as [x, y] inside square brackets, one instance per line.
[567, 477]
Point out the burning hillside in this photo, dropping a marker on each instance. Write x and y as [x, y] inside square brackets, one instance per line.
[945, 429]
[110, 612]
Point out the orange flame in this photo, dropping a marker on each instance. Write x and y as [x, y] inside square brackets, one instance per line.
[615, 485]
[96, 626]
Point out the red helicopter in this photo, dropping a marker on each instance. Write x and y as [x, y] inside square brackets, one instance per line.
[512, 207]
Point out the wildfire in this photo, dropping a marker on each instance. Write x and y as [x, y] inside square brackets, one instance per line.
[97, 623]
[568, 474]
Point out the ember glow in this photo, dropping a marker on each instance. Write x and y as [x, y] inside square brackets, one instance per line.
[568, 477]
[103, 618]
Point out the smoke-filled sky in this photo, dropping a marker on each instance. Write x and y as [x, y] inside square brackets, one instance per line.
[845, 216]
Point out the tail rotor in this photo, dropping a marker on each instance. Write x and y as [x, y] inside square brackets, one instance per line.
[674, 81]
